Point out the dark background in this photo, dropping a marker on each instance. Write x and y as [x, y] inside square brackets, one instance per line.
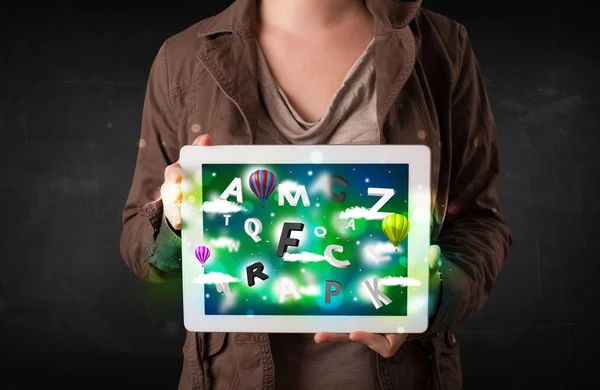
[72, 81]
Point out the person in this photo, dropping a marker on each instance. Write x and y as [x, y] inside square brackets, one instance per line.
[326, 72]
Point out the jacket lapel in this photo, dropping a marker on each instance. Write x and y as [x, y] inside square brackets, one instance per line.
[228, 53]
[394, 61]
[395, 49]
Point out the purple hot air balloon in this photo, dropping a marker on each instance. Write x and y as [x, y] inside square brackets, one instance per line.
[202, 254]
[262, 183]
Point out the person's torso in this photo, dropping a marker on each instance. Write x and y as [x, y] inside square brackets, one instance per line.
[213, 88]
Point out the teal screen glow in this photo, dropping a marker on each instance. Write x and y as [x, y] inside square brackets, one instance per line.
[338, 212]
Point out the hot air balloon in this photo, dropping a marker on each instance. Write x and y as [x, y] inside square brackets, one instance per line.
[395, 227]
[202, 254]
[262, 183]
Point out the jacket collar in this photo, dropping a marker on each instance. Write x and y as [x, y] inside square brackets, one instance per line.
[231, 59]
[240, 15]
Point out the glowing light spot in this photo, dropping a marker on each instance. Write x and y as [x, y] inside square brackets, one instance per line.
[207, 295]
[367, 180]
[264, 297]
[310, 173]
[272, 214]
[355, 298]
[214, 174]
[302, 270]
[357, 242]
[318, 204]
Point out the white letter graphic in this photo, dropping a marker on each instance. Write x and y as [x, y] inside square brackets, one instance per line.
[386, 194]
[234, 189]
[253, 233]
[376, 295]
[284, 192]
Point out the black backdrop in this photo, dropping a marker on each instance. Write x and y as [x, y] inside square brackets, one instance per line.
[71, 87]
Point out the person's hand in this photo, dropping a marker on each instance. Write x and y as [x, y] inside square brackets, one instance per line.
[170, 191]
[388, 344]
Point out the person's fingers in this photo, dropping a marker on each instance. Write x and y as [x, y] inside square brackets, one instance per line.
[203, 140]
[331, 338]
[170, 193]
[434, 257]
[171, 207]
[177, 195]
[173, 173]
[385, 345]
[173, 215]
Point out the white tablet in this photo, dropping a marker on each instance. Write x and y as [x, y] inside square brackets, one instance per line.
[303, 239]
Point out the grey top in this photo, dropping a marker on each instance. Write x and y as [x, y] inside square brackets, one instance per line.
[350, 117]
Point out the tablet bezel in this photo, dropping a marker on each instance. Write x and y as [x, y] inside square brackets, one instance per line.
[418, 157]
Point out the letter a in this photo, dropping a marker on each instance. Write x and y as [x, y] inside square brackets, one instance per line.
[287, 288]
[234, 189]
[350, 224]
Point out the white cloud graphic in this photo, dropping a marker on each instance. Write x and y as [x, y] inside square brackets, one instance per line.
[383, 247]
[221, 206]
[398, 281]
[215, 278]
[378, 252]
[225, 242]
[355, 212]
[303, 257]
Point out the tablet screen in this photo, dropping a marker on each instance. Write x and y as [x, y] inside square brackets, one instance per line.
[302, 239]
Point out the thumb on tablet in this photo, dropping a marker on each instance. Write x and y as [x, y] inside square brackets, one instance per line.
[203, 140]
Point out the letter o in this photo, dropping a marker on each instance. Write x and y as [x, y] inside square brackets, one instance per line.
[320, 231]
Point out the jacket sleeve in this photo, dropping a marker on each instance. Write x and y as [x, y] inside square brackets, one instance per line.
[149, 246]
[474, 239]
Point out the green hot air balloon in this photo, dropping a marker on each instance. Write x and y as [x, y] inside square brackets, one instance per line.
[395, 227]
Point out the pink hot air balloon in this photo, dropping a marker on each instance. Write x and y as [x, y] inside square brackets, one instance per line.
[202, 254]
[262, 183]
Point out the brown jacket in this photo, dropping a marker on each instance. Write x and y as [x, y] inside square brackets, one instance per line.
[429, 91]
